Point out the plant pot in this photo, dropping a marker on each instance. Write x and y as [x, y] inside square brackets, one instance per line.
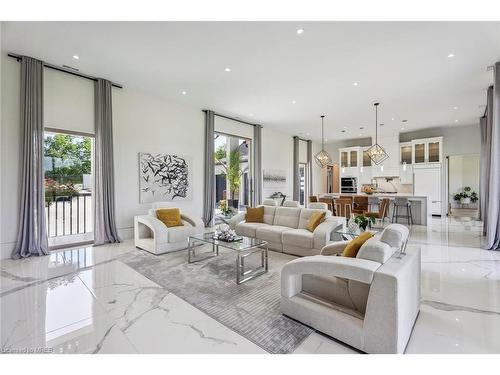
[465, 201]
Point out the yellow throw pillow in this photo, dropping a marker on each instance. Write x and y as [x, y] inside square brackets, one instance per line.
[171, 217]
[352, 248]
[315, 219]
[255, 214]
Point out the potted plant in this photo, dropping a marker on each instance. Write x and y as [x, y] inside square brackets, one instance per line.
[466, 196]
[362, 221]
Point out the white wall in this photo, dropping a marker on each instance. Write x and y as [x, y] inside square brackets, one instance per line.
[142, 123]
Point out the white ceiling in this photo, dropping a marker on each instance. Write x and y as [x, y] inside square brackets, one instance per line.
[404, 65]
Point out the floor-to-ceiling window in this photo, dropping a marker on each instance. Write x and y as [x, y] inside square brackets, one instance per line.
[303, 176]
[68, 187]
[232, 159]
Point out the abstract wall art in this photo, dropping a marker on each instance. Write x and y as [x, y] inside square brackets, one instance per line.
[164, 177]
[274, 178]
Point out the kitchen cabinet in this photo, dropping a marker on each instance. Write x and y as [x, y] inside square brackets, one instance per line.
[344, 159]
[427, 150]
[427, 182]
[406, 153]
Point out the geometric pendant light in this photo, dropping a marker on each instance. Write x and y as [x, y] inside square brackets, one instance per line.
[377, 152]
[322, 158]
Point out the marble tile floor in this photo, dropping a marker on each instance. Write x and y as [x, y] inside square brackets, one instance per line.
[85, 300]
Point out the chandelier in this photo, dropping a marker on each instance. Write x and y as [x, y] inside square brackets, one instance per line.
[377, 152]
[322, 158]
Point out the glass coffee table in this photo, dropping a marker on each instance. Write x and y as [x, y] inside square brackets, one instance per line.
[243, 248]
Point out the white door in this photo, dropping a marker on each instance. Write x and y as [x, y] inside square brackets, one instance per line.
[427, 182]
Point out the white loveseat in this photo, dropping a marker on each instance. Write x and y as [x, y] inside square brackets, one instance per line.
[284, 228]
[370, 302]
[152, 235]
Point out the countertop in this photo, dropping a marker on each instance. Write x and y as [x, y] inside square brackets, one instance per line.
[383, 195]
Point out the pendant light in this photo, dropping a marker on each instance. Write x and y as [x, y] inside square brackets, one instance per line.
[376, 152]
[322, 158]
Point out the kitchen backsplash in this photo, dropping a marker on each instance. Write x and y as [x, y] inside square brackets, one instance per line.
[393, 185]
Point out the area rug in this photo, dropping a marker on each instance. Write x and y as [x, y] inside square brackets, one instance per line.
[250, 309]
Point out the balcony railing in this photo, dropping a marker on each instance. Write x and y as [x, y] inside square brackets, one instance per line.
[69, 215]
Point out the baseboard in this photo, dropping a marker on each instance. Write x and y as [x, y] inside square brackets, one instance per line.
[6, 250]
[126, 233]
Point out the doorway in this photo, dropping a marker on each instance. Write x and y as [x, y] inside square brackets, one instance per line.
[68, 187]
[232, 158]
[463, 186]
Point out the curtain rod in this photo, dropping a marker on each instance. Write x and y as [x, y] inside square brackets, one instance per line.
[301, 139]
[232, 118]
[64, 70]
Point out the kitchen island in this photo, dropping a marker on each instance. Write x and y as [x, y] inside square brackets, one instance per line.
[419, 205]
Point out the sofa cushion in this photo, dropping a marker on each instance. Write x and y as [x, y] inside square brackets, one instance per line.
[271, 233]
[375, 250]
[255, 215]
[248, 229]
[298, 237]
[287, 217]
[352, 248]
[269, 214]
[395, 235]
[171, 217]
[306, 213]
[314, 220]
[181, 233]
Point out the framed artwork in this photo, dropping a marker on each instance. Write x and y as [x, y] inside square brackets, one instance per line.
[274, 178]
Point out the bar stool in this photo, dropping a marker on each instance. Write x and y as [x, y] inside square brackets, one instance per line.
[372, 203]
[402, 202]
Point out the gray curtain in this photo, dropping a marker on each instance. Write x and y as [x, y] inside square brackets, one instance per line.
[296, 177]
[32, 234]
[209, 170]
[257, 163]
[104, 180]
[490, 133]
[309, 170]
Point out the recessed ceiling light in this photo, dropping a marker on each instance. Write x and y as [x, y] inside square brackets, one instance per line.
[345, 127]
[361, 135]
[455, 107]
[294, 102]
[184, 93]
[76, 57]
[300, 31]
[392, 119]
[451, 55]
[402, 128]
[354, 83]
[227, 69]
[456, 120]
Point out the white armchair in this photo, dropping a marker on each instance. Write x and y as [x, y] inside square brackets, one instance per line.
[370, 302]
[152, 235]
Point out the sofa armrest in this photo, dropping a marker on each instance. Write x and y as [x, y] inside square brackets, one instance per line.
[197, 223]
[323, 232]
[361, 270]
[160, 230]
[334, 248]
[238, 218]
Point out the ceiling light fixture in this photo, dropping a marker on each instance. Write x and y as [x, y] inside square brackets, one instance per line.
[456, 120]
[354, 83]
[300, 31]
[184, 93]
[76, 57]
[377, 152]
[227, 69]
[322, 158]
[451, 55]
[455, 108]
[294, 102]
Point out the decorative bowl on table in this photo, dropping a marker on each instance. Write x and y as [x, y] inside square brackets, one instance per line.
[227, 235]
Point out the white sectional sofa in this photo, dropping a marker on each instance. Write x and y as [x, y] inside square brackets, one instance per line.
[284, 228]
[370, 302]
